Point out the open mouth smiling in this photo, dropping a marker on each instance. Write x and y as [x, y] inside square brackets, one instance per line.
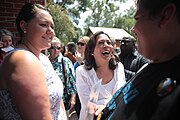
[106, 53]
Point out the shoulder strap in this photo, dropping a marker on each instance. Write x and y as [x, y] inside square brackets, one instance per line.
[63, 70]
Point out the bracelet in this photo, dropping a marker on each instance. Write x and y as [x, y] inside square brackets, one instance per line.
[99, 117]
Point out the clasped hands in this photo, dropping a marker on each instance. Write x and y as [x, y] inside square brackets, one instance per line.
[94, 109]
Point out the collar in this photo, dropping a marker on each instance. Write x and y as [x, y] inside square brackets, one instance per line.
[60, 57]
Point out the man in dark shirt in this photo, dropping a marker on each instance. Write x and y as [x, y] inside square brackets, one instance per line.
[154, 92]
[130, 57]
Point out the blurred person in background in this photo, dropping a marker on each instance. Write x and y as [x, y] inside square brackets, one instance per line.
[130, 57]
[6, 42]
[65, 70]
[81, 45]
[71, 50]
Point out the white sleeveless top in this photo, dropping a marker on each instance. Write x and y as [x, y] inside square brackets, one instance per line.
[55, 90]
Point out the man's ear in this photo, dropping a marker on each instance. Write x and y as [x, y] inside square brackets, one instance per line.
[167, 14]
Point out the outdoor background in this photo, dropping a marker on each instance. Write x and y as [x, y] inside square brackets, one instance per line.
[74, 17]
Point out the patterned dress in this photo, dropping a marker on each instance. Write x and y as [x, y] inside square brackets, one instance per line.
[55, 90]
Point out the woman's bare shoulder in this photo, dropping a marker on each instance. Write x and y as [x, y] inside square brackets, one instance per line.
[20, 66]
[25, 80]
[20, 56]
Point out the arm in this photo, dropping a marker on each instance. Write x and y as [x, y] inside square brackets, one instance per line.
[136, 64]
[72, 82]
[82, 85]
[26, 84]
[84, 89]
[129, 74]
[72, 100]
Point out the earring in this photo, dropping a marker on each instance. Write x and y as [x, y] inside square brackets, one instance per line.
[92, 54]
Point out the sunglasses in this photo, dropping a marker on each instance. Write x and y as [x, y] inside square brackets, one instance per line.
[54, 47]
[125, 42]
[80, 43]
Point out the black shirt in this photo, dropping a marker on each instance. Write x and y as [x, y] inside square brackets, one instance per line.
[132, 63]
[149, 102]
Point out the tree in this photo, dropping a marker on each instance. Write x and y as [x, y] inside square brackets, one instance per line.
[64, 27]
[105, 14]
[66, 14]
[101, 11]
[74, 8]
[126, 21]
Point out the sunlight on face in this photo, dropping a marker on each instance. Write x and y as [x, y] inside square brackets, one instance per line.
[41, 30]
[103, 49]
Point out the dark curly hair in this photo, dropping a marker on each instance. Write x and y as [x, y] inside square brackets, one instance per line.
[89, 58]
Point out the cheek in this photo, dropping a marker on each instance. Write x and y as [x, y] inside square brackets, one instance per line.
[141, 28]
[79, 47]
[146, 47]
[51, 51]
[111, 48]
[80, 50]
[84, 48]
[96, 52]
[56, 53]
[139, 46]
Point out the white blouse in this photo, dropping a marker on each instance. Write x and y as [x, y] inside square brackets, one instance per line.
[89, 84]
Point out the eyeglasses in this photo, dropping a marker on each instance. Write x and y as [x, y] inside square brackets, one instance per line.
[54, 47]
[80, 43]
[125, 42]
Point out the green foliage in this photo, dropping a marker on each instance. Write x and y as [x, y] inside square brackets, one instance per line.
[126, 21]
[105, 14]
[66, 16]
[64, 27]
[102, 13]
[74, 8]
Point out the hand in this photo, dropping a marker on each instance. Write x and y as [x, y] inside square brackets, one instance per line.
[94, 109]
[99, 109]
[72, 101]
[79, 57]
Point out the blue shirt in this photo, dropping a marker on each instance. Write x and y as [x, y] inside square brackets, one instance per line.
[76, 64]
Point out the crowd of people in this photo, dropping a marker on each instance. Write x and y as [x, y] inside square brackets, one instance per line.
[140, 81]
[65, 70]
